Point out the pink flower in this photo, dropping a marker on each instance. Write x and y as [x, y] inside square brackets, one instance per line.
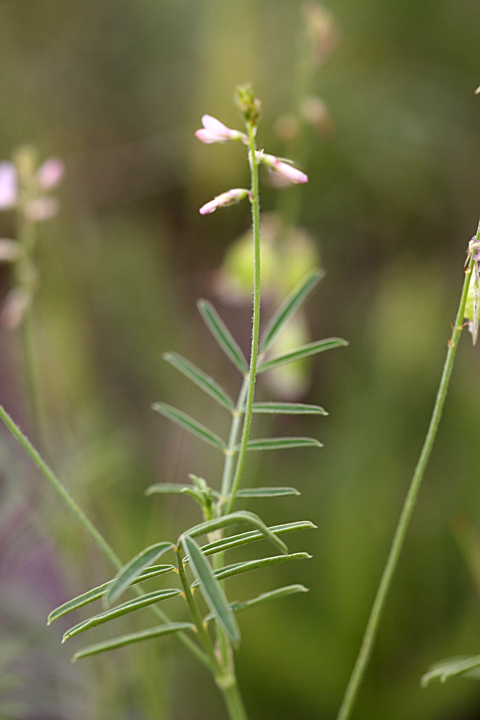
[214, 131]
[282, 168]
[8, 185]
[50, 173]
[42, 208]
[226, 198]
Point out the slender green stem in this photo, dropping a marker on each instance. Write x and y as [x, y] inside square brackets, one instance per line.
[233, 699]
[87, 525]
[203, 635]
[255, 201]
[229, 465]
[402, 527]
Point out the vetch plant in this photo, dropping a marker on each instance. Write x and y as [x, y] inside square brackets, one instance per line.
[196, 563]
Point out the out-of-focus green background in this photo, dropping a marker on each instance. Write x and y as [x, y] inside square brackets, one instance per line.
[117, 89]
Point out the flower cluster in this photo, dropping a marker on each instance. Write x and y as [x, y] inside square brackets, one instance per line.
[25, 189]
[37, 206]
[214, 131]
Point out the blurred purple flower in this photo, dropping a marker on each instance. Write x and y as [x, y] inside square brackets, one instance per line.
[8, 185]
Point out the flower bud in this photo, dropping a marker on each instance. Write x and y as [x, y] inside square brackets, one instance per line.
[283, 169]
[226, 198]
[248, 104]
[321, 28]
[315, 112]
[214, 131]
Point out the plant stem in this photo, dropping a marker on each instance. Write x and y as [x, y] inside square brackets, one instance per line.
[255, 201]
[228, 467]
[87, 525]
[405, 516]
[233, 699]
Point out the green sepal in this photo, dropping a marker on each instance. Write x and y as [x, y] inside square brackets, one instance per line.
[264, 597]
[188, 423]
[288, 308]
[242, 567]
[279, 408]
[200, 378]
[234, 518]
[282, 443]
[222, 335]
[211, 590]
[266, 492]
[130, 606]
[469, 666]
[125, 577]
[99, 592]
[300, 353]
[154, 632]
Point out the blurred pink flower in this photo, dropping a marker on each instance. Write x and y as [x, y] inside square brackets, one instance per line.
[214, 131]
[41, 209]
[226, 198]
[282, 168]
[8, 185]
[50, 173]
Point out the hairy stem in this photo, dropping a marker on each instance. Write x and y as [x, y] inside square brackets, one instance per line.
[407, 510]
[255, 201]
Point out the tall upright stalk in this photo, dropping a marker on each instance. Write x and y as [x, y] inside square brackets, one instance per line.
[255, 202]
[407, 510]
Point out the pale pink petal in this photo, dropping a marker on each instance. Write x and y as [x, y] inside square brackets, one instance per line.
[50, 173]
[8, 185]
[283, 169]
[214, 131]
[226, 198]
[9, 250]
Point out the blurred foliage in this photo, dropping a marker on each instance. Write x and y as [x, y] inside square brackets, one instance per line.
[116, 89]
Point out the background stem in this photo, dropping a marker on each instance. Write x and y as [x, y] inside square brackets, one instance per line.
[399, 537]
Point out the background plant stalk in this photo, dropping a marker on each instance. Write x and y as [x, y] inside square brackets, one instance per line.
[407, 510]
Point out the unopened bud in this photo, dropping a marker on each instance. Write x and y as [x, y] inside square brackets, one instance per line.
[214, 131]
[41, 209]
[248, 104]
[226, 198]
[9, 250]
[284, 169]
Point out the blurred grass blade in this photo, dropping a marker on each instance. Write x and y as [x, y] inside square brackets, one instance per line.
[242, 567]
[188, 423]
[154, 632]
[130, 606]
[266, 492]
[301, 352]
[222, 335]
[264, 597]
[99, 592]
[452, 667]
[234, 541]
[282, 443]
[134, 568]
[211, 590]
[280, 408]
[288, 307]
[233, 519]
[204, 381]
